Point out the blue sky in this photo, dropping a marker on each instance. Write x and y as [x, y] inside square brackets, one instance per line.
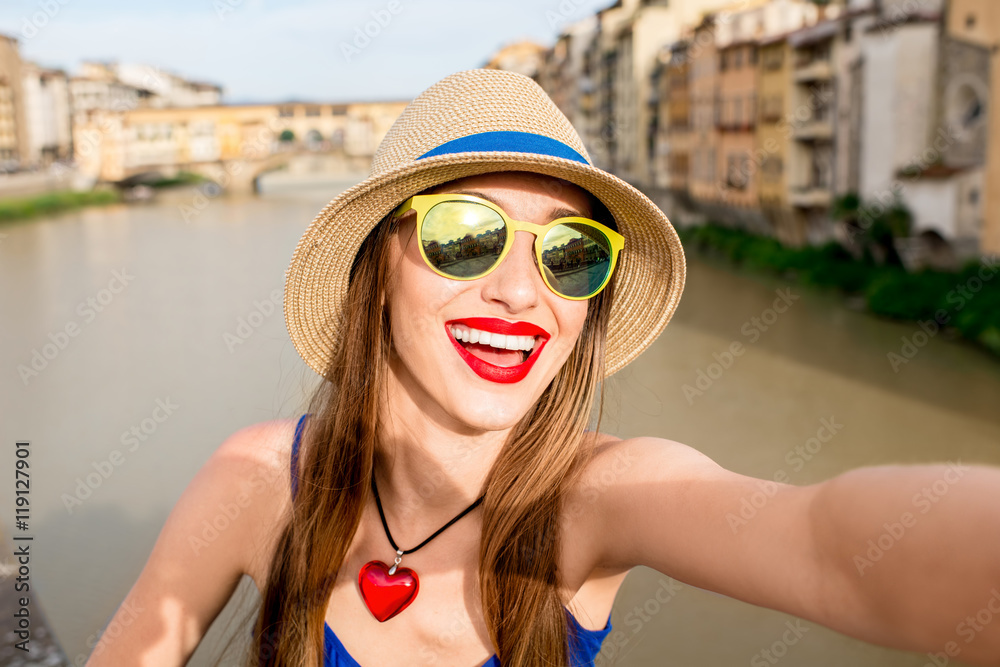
[265, 50]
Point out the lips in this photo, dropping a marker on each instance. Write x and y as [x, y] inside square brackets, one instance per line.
[492, 372]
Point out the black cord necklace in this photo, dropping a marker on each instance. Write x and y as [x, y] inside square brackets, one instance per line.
[388, 591]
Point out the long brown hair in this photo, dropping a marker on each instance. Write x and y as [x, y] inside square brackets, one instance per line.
[520, 537]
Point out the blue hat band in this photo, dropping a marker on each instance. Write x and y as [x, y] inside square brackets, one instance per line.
[515, 142]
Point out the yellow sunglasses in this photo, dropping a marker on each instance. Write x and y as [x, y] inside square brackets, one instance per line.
[464, 237]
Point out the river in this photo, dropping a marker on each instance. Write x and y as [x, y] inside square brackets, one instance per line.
[156, 330]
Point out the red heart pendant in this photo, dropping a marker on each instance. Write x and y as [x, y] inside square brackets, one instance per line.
[387, 594]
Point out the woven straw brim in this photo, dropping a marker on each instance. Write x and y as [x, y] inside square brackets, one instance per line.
[649, 276]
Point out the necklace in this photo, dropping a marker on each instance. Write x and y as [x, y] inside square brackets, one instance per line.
[389, 590]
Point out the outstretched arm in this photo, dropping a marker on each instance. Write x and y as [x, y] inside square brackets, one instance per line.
[903, 556]
[917, 548]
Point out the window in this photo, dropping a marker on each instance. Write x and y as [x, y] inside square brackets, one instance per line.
[772, 168]
[737, 170]
[774, 57]
[970, 21]
[753, 55]
[286, 112]
[966, 107]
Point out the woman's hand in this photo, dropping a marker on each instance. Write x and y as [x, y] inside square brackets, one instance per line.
[903, 556]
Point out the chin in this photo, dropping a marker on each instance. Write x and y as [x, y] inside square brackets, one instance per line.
[491, 413]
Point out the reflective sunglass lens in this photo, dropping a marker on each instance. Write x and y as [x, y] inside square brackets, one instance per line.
[463, 239]
[577, 259]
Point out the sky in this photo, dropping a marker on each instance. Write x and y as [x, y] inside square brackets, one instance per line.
[269, 51]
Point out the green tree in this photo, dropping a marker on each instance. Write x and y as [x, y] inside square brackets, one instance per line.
[876, 225]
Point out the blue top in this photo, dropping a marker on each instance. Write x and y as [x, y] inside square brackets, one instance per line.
[584, 644]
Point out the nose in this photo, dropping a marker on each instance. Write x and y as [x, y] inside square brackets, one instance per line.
[516, 283]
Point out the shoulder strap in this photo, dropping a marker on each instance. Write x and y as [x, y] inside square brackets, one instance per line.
[295, 454]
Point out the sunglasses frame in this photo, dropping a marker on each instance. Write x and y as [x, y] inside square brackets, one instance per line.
[422, 204]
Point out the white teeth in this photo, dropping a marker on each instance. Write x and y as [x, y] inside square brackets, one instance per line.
[497, 340]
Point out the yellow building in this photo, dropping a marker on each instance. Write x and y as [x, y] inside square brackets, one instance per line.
[774, 106]
[978, 21]
[674, 140]
[736, 122]
[13, 123]
[703, 180]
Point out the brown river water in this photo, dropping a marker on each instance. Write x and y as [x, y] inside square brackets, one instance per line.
[156, 330]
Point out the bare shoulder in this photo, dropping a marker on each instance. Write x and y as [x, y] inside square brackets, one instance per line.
[615, 461]
[261, 450]
[254, 463]
[621, 480]
[663, 504]
[607, 491]
[222, 527]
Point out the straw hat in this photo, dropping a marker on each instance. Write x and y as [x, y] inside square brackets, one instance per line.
[476, 122]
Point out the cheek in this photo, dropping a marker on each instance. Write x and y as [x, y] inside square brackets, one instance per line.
[418, 295]
[572, 316]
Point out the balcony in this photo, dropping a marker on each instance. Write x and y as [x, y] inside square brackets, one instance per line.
[813, 130]
[811, 196]
[817, 70]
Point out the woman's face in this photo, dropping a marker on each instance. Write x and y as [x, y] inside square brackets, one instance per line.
[480, 386]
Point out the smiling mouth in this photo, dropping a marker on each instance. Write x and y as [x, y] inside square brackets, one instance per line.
[498, 357]
[495, 348]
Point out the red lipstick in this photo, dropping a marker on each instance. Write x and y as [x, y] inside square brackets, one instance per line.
[492, 372]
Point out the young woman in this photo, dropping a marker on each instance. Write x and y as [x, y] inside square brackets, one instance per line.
[442, 501]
